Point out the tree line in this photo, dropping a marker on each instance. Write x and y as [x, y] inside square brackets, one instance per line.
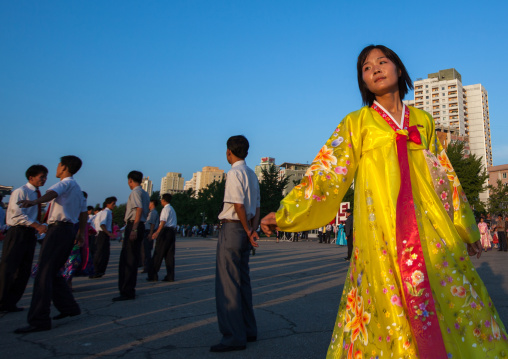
[206, 205]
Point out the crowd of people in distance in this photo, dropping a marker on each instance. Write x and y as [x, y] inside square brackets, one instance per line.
[76, 239]
[493, 231]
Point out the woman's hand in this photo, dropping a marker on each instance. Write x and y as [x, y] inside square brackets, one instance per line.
[269, 224]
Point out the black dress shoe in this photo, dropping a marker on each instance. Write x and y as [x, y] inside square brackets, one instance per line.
[252, 339]
[11, 309]
[220, 348]
[151, 279]
[166, 279]
[122, 298]
[96, 275]
[65, 315]
[347, 259]
[31, 329]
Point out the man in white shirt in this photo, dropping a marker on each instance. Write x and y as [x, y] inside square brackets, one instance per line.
[104, 222]
[20, 241]
[165, 245]
[136, 212]
[67, 208]
[151, 225]
[240, 219]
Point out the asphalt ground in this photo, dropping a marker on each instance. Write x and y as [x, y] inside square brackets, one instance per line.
[296, 292]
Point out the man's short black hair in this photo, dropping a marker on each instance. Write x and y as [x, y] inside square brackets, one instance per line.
[239, 146]
[404, 80]
[167, 197]
[108, 201]
[349, 211]
[136, 176]
[35, 170]
[72, 163]
[89, 208]
[155, 202]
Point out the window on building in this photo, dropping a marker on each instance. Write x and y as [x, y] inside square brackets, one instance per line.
[443, 94]
[504, 174]
[427, 97]
[444, 106]
[426, 86]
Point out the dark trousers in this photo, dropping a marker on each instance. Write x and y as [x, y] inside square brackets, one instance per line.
[129, 256]
[49, 285]
[91, 244]
[349, 246]
[164, 249]
[233, 293]
[501, 235]
[147, 250]
[16, 264]
[102, 251]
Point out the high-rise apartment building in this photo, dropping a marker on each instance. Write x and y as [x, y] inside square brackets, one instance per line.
[201, 180]
[207, 176]
[191, 184]
[147, 185]
[460, 109]
[265, 163]
[172, 183]
[479, 123]
[295, 172]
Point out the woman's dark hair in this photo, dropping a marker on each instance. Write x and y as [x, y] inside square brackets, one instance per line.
[404, 80]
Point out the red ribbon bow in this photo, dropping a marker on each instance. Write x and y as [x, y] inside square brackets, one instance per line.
[414, 135]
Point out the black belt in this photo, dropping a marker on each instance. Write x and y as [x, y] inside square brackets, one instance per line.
[20, 226]
[61, 223]
[230, 221]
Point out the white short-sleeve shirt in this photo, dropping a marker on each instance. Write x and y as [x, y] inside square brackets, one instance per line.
[168, 215]
[105, 218]
[17, 216]
[242, 187]
[69, 204]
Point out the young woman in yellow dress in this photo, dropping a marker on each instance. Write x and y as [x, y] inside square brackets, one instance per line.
[411, 290]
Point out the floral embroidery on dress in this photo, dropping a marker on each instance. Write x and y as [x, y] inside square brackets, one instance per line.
[356, 322]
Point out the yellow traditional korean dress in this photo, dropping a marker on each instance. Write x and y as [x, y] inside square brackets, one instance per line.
[410, 292]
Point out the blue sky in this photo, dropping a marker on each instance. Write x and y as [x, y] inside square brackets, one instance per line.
[159, 86]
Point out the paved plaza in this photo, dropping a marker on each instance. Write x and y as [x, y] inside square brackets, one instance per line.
[296, 286]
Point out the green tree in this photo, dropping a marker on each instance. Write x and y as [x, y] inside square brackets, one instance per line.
[498, 199]
[471, 174]
[119, 214]
[210, 201]
[271, 188]
[186, 207]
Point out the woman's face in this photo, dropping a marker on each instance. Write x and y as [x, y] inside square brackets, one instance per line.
[380, 74]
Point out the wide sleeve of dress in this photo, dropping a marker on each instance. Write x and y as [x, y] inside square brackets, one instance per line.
[315, 201]
[463, 217]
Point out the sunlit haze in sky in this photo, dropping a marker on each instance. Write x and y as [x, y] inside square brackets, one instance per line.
[159, 86]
